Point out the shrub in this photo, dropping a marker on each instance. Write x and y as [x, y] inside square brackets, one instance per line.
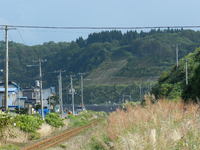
[54, 120]
[5, 121]
[63, 146]
[100, 143]
[9, 147]
[28, 123]
[34, 136]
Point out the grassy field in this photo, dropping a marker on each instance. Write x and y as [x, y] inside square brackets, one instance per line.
[166, 125]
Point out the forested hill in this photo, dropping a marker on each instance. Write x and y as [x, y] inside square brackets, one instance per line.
[109, 57]
[172, 83]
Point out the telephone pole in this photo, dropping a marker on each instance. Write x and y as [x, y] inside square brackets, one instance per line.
[177, 53]
[41, 96]
[40, 61]
[123, 99]
[186, 72]
[60, 92]
[140, 91]
[5, 102]
[72, 93]
[82, 103]
[6, 70]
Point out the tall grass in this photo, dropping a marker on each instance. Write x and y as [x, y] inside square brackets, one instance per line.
[163, 125]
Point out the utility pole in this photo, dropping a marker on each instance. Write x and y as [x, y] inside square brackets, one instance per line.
[82, 103]
[140, 88]
[6, 70]
[40, 61]
[41, 96]
[72, 93]
[60, 93]
[60, 90]
[123, 98]
[186, 72]
[18, 96]
[177, 52]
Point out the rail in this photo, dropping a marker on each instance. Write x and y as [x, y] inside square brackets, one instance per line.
[55, 140]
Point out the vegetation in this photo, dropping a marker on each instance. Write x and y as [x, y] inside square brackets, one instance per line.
[9, 147]
[54, 120]
[84, 118]
[28, 123]
[172, 84]
[109, 57]
[5, 122]
[163, 125]
[14, 126]
[102, 94]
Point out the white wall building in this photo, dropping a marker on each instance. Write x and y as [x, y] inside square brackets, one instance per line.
[14, 94]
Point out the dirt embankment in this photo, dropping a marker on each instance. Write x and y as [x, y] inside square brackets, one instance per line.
[14, 135]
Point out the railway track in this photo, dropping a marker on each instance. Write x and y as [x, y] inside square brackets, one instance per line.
[55, 140]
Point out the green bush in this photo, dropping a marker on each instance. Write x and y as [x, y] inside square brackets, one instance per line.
[5, 121]
[34, 136]
[28, 123]
[98, 143]
[9, 147]
[54, 120]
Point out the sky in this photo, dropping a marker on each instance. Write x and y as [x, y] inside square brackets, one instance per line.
[129, 13]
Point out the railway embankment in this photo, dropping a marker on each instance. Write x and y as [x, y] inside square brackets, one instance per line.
[19, 131]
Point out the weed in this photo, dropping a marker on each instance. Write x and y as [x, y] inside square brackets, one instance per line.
[34, 136]
[54, 120]
[162, 125]
[9, 147]
[63, 146]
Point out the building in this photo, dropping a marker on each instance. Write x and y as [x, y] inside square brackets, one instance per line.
[47, 93]
[33, 95]
[14, 95]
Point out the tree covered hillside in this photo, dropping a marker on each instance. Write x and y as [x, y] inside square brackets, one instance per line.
[108, 58]
[172, 84]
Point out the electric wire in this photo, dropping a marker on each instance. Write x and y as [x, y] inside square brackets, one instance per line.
[101, 28]
[20, 35]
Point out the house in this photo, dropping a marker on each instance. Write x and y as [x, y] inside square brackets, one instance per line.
[14, 95]
[33, 95]
[47, 93]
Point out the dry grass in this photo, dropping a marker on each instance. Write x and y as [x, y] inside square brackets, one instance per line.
[81, 141]
[164, 125]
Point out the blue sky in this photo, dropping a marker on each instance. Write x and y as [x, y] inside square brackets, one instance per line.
[91, 13]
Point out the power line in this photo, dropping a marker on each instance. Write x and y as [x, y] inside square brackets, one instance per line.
[101, 28]
[21, 37]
